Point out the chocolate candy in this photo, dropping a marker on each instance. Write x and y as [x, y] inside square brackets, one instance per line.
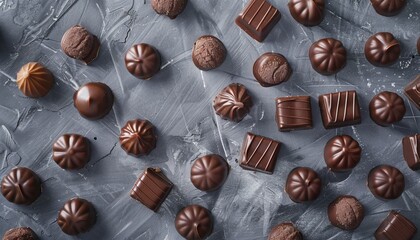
[346, 212]
[34, 80]
[258, 18]
[386, 182]
[80, 44]
[395, 227]
[170, 8]
[20, 233]
[342, 153]
[77, 216]
[259, 153]
[382, 49]
[303, 184]
[194, 222]
[339, 109]
[386, 108]
[151, 188]
[138, 137]
[93, 100]
[307, 12]
[71, 151]
[328, 56]
[208, 173]
[285, 231]
[271, 69]
[293, 113]
[412, 91]
[208, 53]
[411, 151]
[418, 45]
[142, 61]
[21, 186]
[233, 102]
[388, 7]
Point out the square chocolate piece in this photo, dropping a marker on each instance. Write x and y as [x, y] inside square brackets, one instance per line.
[258, 18]
[293, 113]
[259, 153]
[411, 151]
[412, 91]
[339, 109]
[395, 227]
[151, 188]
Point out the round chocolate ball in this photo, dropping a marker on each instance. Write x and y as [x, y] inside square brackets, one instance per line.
[233, 102]
[208, 52]
[328, 56]
[20, 233]
[271, 69]
[34, 80]
[382, 49]
[386, 182]
[285, 231]
[388, 7]
[307, 12]
[208, 173]
[71, 151]
[342, 153]
[138, 137]
[346, 212]
[386, 108]
[21, 186]
[143, 61]
[194, 222]
[93, 100]
[170, 8]
[77, 216]
[79, 43]
[303, 184]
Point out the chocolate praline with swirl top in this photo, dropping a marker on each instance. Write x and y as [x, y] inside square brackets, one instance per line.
[21, 186]
[93, 100]
[307, 12]
[328, 56]
[209, 172]
[138, 137]
[143, 61]
[71, 151]
[303, 184]
[76, 216]
[382, 49]
[271, 69]
[388, 7]
[342, 153]
[386, 108]
[194, 222]
[233, 102]
[386, 182]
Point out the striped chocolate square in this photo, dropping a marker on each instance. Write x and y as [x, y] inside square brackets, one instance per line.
[293, 113]
[395, 226]
[411, 151]
[412, 91]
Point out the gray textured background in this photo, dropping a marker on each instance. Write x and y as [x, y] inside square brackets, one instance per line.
[178, 102]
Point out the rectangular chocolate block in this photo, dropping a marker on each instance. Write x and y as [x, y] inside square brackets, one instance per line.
[258, 18]
[293, 113]
[151, 188]
[412, 91]
[395, 227]
[339, 109]
[411, 151]
[259, 153]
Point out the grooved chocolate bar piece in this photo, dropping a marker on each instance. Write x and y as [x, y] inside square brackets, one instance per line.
[412, 91]
[258, 18]
[339, 109]
[151, 188]
[259, 153]
[395, 227]
[293, 113]
[411, 151]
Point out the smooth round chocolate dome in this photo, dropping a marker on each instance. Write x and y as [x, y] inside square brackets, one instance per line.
[93, 100]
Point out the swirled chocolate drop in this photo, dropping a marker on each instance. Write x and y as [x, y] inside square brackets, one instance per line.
[21, 186]
[328, 56]
[233, 102]
[143, 61]
[208, 52]
[271, 69]
[34, 80]
[303, 184]
[388, 7]
[342, 153]
[77, 216]
[382, 49]
[209, 172]
[138, 137]
[346, 212]
[79, 43]
[386, 182]
[307, 12]
[194, 222]
[170, 8]
[93, 100]
[71, 151]
[386, 108]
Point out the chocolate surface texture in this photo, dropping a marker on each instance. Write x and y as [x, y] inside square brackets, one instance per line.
[93, 100]
[142, 61]
[328, 56]
[411, 151]
[209, 172]
[138, 137]
[21, 186]
[233, 102]
[307, 12]
[342, 153]
[395, 227]
[386, 182]
[386, 108]
[382, 49]
[208, 53]
[170, 8]
[34, 80]
[271, 69]
[285, 231]
[293, 113]
[20, 233]
[77, 216]
[71, 151]
[303, 184]
[79, 43]
[194, 222]
[346, 212]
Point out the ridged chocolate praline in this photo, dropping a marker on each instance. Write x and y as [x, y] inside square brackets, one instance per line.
[194, 222]
[328, 56]
[386, 182]
[233, 102]
[138, 137]
[303, 184]
[307, 12]
[21, 186]
[388, 7]
[209, 172]
[386, 108]
[143, 61]
[71, 151]
[77, 216]
[382, 49]
[342, 153]
[34, 80]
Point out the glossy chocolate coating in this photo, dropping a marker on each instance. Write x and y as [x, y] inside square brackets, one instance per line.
[418, 45]
[386, 182]
[412, 91]
[293, 113]
[395, 227]
[93, 100]
[20, 233]
[208, 52]
[233, 102]
[411, 151]
[208, 173]
[307, 12]
[382, 49]
[194, 222]
[77, 216]
[71, 151]
[303, 184]
[21, 186]
[285, 231]
[328, 56]
[34, 80]
[271, 69]
[143, 61]
[138, 137]
[386, 108]
[170, 8]
[388, 7]
[79, 43]
[346, 212]
[342, 153]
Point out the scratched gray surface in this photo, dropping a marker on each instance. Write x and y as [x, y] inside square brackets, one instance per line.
[178, 102]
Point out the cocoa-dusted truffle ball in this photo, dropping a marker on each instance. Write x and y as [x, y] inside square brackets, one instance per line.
[208, 52]
[285, 231]
[170, 8]
[79, 43]
[346, 212]
[20, 233]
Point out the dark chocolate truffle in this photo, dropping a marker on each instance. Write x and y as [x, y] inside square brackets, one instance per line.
[194, 222]
[303, 184]
[80, 44]
[71, 151]
[21, 186]
[233, 102]
[76, 216]
[271, 69]
[170, 8]
[208, 52]
[386, 108]
[342, 153]
[285, 231]
[386, 182]
[20, 233]
[143, 61]
[138, 137]
[93, 100]
[382, 49]
[307, 12]
[388, 7]
[34, 80]
[208, 173]
[328, 56]
[346, 212]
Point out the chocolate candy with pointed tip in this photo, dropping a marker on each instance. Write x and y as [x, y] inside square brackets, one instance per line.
[34, 80]
[233, 102]
[307, 12]
[143, 61]
[138, 137]
[208, 173]
[303, 184]
[346, 212]
[386, 182]
[208, 53]
[328, 56]
[93, 100]
[386, 108]
[342, 153]
[194, 222]
[71, 151]
[79, 43]
[21, 186]
[271, 69]
[388, 7]
[382, 49]
[77, 216]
